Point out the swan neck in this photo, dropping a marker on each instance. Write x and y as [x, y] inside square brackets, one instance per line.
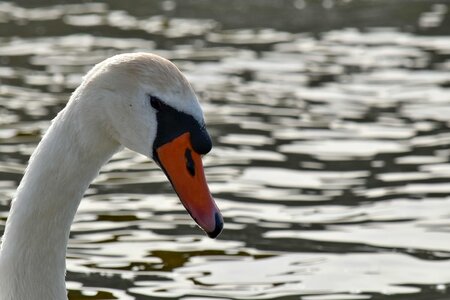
[32, 258]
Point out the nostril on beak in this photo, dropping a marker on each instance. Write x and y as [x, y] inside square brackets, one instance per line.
[190, 164]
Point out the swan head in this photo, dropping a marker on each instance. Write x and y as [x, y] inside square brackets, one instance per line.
[148, 106]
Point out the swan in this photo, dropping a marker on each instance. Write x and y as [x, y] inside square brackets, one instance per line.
[140, 101]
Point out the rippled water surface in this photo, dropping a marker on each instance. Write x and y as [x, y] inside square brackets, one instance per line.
[330, 121]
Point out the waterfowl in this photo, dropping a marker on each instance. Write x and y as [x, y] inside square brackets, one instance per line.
[140, 101]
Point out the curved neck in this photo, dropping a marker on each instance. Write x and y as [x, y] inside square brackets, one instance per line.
[32, 258]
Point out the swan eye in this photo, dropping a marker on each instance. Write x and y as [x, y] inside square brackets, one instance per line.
[156, 102]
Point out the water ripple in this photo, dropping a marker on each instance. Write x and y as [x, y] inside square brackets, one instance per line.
[330, 159]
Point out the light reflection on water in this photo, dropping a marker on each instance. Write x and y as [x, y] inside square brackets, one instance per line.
[330, 159]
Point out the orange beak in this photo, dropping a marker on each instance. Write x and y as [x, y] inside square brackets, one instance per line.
[183, 166]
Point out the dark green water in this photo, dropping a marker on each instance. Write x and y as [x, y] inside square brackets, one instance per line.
[330, 121]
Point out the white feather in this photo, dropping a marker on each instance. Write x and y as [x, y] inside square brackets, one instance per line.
[110, 109]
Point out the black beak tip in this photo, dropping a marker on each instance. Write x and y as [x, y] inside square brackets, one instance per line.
[219, 226]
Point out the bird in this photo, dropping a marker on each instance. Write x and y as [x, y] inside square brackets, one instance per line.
[140, 101]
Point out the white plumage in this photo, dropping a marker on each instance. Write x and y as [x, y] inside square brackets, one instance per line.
[109, 110]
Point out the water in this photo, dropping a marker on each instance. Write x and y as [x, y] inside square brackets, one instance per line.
[330, 121]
